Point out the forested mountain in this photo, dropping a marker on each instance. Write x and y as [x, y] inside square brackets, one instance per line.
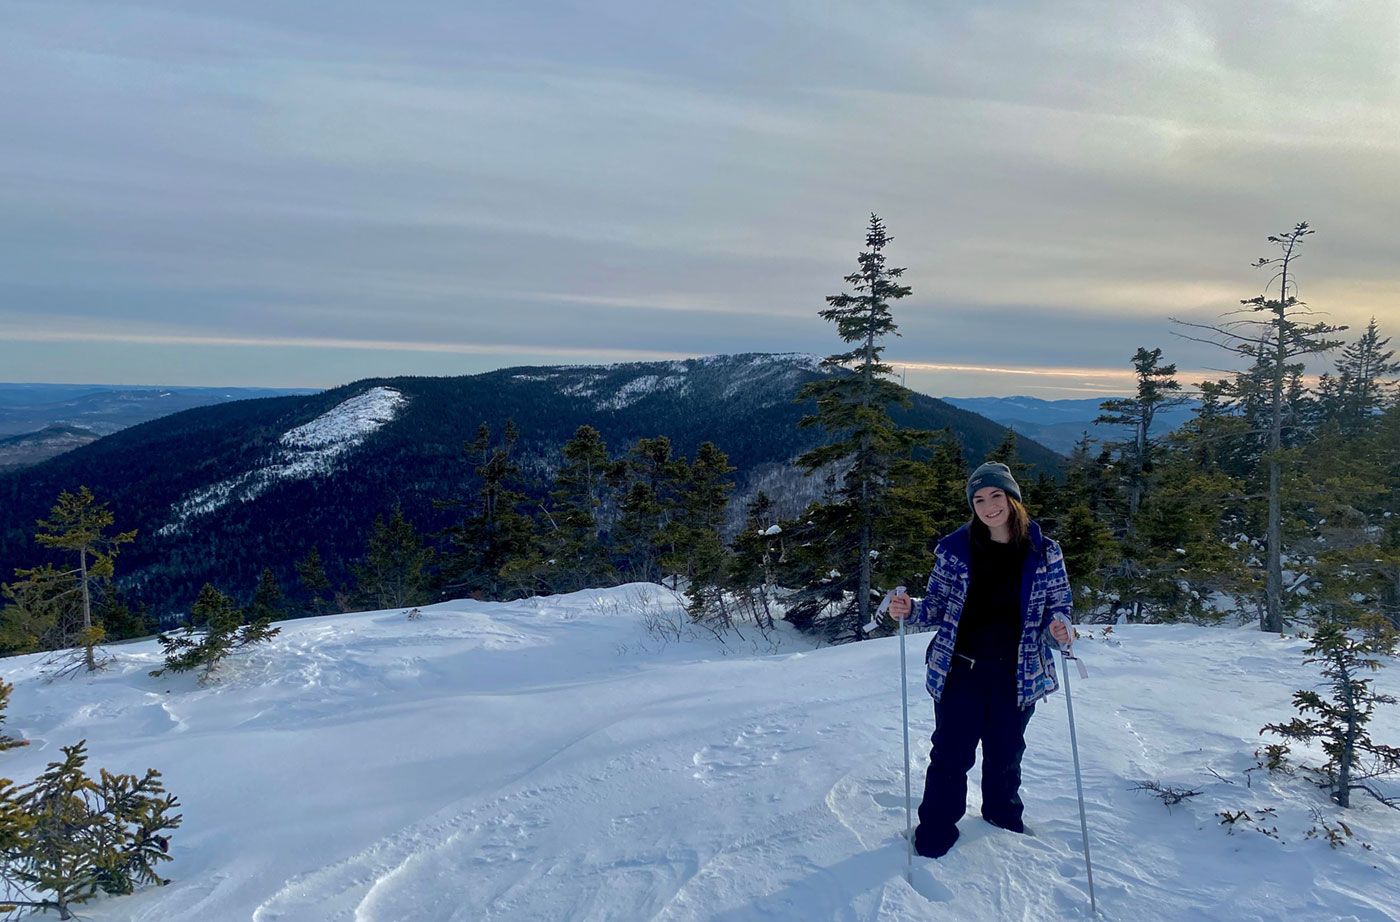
[220, 492]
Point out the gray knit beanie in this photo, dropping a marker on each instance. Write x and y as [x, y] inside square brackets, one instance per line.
[993, 474]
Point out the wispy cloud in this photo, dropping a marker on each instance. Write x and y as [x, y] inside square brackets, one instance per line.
[626, 179]
[383, 345]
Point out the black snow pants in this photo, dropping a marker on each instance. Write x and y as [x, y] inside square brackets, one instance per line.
[978, 704]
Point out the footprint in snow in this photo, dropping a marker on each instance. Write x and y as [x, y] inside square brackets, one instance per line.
[751, 748]
[889, 801]
[929, 887]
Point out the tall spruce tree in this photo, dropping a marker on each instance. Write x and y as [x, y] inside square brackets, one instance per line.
[853, 407]
[569, 551]
[1363, 373]
[649, 478]
[267, 599]
[1274, 342]
[694, 530]
[1157, 390]
[394, 572]
[311, 573]
[495, 532]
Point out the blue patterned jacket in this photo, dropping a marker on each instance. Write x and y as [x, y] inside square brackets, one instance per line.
[1045, 592]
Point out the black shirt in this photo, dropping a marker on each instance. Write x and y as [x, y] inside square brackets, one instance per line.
[989, 630]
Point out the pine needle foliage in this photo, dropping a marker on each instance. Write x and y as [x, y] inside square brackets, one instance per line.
[216, 631]
[66, 835]
[568, 551]
[494, 531]
[1340, 718]
[311, 574]
[394, 573]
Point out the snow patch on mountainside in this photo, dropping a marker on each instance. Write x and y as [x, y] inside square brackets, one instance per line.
[307, 450]
[638, 388]
[584, 387]
[760, 371]
[749, 371]
[349, 423]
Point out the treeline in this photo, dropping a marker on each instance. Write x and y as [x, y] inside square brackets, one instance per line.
[1280, 490]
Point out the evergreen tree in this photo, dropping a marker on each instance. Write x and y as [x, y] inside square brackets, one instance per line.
[569, 553]
[118, 620]
[1274, 344]
[312, 576]
[394, 571]
[267, 599]
[215, 631]
[65, 835]
[77, 524]
[931, 500]
[1088, 479]
[1157, 390]
[1180, 559]
[1006, 453]
[758, 551]
[496, 532]
[44, 611]
[696, 549]
[649, 477]
[1363, 370]
[853, 408]
[1341, 719]
[1089, 551]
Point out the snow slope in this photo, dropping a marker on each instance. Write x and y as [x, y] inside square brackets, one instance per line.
[544, 760]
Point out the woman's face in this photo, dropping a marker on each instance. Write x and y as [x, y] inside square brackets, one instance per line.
[991, 506]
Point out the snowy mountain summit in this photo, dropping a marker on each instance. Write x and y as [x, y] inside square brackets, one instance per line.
[549, 760]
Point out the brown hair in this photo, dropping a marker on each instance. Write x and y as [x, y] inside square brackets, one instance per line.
[1018, 520]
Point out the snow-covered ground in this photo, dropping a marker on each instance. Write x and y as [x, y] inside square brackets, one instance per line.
[545, 760]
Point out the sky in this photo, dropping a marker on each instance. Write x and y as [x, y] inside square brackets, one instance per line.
[303, 194]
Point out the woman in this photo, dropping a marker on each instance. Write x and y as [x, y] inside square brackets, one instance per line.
[993, 597]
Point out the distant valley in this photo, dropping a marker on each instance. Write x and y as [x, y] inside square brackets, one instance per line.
[41, 421]
[1059, 424]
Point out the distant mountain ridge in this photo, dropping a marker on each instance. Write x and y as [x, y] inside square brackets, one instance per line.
[104, 409]
[1059, 424]
[219, 492]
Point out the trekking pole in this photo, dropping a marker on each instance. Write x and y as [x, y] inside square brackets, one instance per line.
[904, 702]
[1067, 653]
